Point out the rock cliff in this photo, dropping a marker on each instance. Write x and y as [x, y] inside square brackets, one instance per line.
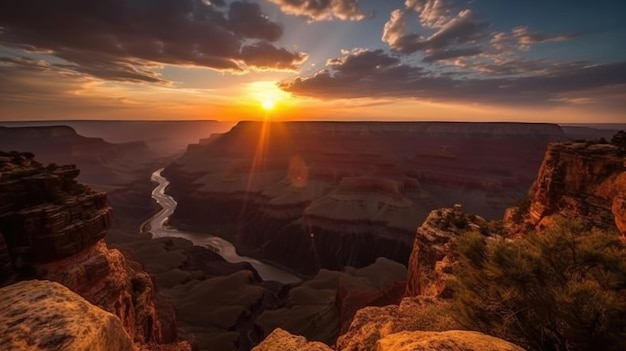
[52, 228]
[430, 265]
[583, 180]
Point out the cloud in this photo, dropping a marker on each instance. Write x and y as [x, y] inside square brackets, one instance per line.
[525, 37]
[322, 10]
[456, 37]
[432, 13]
[376, 74]
[452, 54]
[127, 39]
[266, 56]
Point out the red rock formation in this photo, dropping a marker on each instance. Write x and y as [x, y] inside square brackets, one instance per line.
[581, 180]
[52, 228]
[429, 265]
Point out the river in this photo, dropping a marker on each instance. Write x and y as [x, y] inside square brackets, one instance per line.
[159, 228]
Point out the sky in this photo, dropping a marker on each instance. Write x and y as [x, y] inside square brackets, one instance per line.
[561, 61]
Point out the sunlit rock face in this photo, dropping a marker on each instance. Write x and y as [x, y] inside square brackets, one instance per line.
[581, 180]
[430, 264]
[416, 324]
[284, 341]
[452, 340]
[313, 195]
[43, 315]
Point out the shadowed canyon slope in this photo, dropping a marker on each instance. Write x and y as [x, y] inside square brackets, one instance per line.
[312, 195]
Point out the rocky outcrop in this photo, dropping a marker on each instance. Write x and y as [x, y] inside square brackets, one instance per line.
[423, 323]
[43, 315]
[45, 215]
[106, 279]
[385, 336]
[580, 180]
[311, 195]
[452, 340]
[52, 228]
[430, 266]
[280, 340]
[371, 324]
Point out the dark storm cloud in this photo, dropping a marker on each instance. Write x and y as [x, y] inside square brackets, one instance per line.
[264, 55]
[123, 39]
[320, 10]
[375, 74]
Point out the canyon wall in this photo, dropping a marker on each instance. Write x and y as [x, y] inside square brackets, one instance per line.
[311, 195]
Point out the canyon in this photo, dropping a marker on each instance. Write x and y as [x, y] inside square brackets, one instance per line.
[311, 195]
[159, 290]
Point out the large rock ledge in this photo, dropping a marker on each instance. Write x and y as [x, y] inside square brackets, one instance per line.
[43, 315]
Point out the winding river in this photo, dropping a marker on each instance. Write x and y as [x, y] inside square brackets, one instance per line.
[157, 225]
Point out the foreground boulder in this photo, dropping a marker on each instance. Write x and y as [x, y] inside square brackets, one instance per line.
[44, 315]
[452, 340]
[280, 340]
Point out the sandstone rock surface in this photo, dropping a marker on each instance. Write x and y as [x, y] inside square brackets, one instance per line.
[371, 324]
[43, 315]
[280, 340]
[452, 340]
[429, 264]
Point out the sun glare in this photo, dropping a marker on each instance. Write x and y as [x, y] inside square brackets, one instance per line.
[268, 104]
[268, 95]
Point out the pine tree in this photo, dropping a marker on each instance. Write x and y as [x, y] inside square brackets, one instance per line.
[562, 289]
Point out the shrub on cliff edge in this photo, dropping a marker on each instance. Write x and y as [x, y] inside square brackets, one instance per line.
[563, 289]
[619, 139]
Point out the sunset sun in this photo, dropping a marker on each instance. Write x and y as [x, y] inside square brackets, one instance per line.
[268, 96]
[268, 104]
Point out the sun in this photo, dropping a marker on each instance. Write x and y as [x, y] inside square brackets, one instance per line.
[268, 104]
[268, 96]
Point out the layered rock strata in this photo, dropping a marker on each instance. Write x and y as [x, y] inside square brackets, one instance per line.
[581, 180]
[311, 195]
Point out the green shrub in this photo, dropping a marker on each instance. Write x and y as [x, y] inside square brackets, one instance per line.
[619, 139]
[562, 289]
